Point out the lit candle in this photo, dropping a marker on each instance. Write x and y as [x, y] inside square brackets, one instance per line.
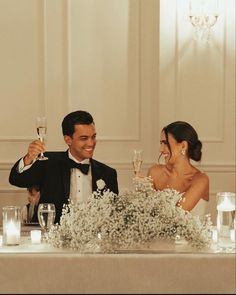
[11, 225]
[12, 233]
[214, 235]
[232, 235]
[35, 236]
[226, 204]
[1, 240]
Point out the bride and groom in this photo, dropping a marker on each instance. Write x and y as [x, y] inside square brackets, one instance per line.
[60, 180]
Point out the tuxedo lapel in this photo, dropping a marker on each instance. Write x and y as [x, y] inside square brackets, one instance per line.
[96, 173]
[66, 175]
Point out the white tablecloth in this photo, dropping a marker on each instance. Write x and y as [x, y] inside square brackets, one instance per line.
[163, 268]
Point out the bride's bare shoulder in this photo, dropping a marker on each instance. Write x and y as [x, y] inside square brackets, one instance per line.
[201, 176]
[156, 169]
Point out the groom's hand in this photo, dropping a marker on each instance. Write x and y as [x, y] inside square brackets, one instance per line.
[35, 148]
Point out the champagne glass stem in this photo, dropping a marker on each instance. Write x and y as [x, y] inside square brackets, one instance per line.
[41, 125]
[137, 162]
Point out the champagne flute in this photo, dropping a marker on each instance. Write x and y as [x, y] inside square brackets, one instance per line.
[137, 161]
[46, 216]
[41, 125]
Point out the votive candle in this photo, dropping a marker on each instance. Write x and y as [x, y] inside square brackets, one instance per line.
[232, 235]
[35, 236]
[214, 235]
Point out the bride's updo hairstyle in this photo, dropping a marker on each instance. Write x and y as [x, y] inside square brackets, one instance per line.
[181, 131]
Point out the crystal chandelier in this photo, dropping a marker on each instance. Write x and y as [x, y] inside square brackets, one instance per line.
[203, 15]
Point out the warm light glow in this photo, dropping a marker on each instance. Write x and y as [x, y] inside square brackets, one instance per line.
[225, 221]
[11, 225]
[232, 235]
[214, 235]
[35, 236]
[226, 205]
[12, 233]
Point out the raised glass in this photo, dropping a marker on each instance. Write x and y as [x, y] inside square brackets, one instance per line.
[137, 162]
[41, 126]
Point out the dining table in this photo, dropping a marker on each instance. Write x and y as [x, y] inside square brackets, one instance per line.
[159, 267]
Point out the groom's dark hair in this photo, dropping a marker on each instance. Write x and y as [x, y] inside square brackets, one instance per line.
[75, 118]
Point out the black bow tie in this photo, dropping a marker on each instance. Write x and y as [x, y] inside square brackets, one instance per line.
[84, 168]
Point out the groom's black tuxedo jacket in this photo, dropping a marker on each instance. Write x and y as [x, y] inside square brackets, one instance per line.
[53, 177]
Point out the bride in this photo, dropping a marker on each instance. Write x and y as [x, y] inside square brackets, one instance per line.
[179, 144]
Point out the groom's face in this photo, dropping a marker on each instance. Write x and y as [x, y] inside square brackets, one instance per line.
[83, 141]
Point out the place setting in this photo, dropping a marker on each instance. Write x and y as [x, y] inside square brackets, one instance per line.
[139, 220]
[18, 235]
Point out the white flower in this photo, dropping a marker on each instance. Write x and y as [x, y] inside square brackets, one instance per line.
[100, 184]
[126, 220]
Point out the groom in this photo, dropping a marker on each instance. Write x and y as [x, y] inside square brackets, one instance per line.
[67, 174]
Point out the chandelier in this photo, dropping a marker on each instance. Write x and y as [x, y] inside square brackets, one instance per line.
[203, 15]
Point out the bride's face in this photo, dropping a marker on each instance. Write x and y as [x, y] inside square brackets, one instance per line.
[172, 152]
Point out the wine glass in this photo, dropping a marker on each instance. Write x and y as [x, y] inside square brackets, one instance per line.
[41, 125]
[46, 215]
[137, 161]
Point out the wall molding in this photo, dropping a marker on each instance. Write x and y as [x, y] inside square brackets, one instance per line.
[69, 76]
[120, 138]
[179, 12]
[211, 167]
[16, 138]
[45, 58]
[15, 190]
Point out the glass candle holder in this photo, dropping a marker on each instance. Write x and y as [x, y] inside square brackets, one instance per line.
[214, 235]
[232, 235]
[225, 218]
[11, 225]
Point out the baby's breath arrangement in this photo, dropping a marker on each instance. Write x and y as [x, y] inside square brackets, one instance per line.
[132, 218]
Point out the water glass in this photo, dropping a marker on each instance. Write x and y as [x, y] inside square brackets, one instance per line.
[46, 215]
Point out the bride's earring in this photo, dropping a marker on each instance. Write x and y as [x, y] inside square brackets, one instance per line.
[183, 152]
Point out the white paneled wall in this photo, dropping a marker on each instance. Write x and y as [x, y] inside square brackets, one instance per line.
[197, 85]
[133, 64]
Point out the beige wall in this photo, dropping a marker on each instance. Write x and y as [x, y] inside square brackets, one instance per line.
[134, 65]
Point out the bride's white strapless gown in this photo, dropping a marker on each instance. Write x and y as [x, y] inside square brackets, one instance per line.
[201, 208]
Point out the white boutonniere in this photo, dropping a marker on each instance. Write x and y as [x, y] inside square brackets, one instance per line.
[100, 184]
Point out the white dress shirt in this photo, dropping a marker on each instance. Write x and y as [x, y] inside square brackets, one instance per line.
[80, 184]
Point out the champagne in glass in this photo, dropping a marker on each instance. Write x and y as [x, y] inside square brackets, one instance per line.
[46, 215]
[41, 125]
[137, 161]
